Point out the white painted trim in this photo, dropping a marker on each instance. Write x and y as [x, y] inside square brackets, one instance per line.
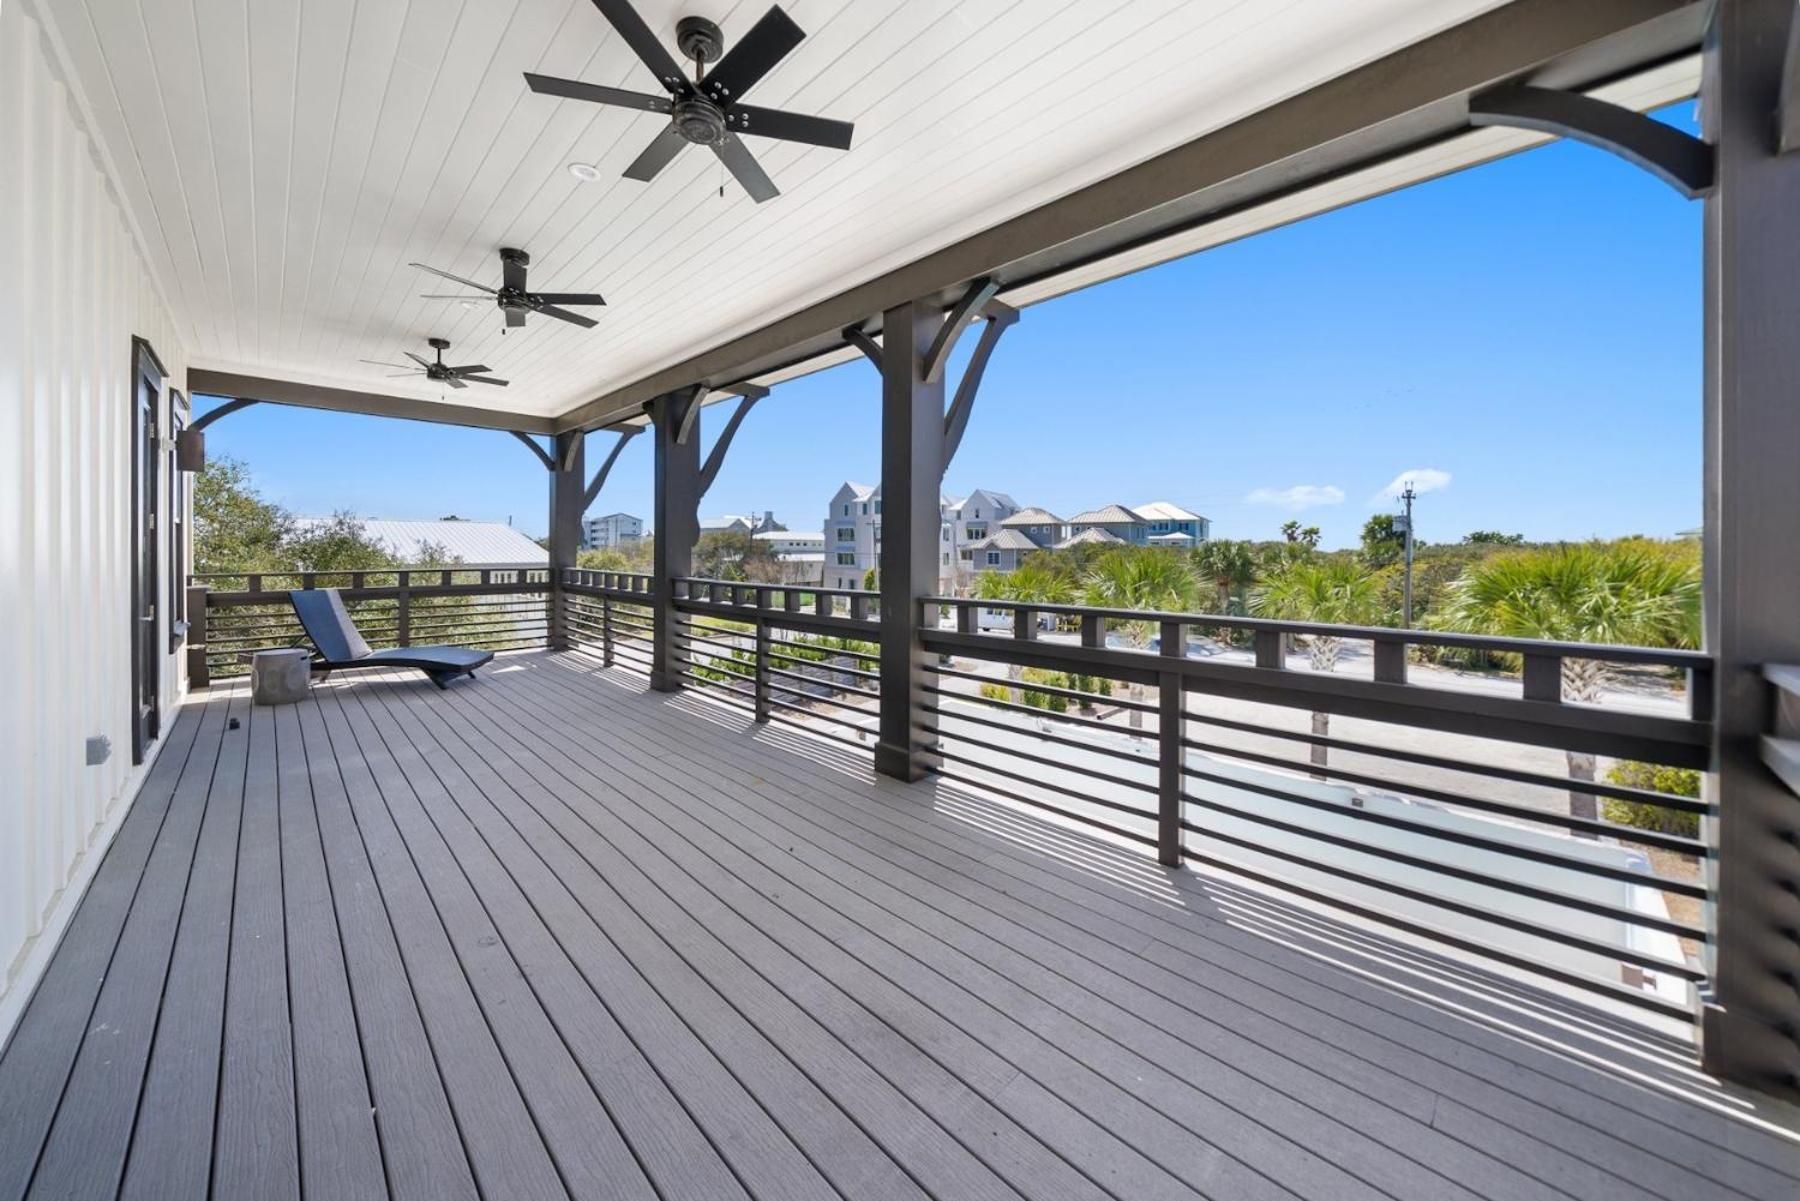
[27, 969]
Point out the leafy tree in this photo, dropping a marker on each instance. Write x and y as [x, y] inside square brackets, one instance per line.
[1382, 542]
[235, 529]
[1230, 565]
[1493, 538]
[1307, 536]
[1634, 591]
[1332, 592]
[1137, 578]
[339, 544]
[1676, 781]
[735, 555]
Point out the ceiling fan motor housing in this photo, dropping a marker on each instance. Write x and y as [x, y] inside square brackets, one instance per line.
[700, 121]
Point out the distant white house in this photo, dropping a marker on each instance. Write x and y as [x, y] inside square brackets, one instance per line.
[800, 553]
[450, 539]
[740, 523]
[614, 529]
[1171, 525]
[853, 533]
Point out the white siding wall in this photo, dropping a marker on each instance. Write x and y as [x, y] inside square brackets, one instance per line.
[73, 292]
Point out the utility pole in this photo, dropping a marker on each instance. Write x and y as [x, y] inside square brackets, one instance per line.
[1407, 527]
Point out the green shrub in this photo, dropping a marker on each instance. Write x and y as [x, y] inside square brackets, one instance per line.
[1676, 781]
[996, 692]
[1055, 702]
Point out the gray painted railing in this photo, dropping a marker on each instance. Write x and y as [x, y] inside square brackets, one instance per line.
[1431, 839]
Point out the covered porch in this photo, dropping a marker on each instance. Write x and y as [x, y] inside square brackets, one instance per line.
[561, 935]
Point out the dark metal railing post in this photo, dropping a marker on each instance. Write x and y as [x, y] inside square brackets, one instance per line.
[606, 629]
[1168, 745]
[764, 693]
[403, 615]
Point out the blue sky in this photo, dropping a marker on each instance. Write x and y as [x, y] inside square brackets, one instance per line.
[1529, 329]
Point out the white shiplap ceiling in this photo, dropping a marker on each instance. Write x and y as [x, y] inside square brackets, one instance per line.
[284, 161]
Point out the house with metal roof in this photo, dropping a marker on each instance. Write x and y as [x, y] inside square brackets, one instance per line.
[1116, 520]
[1170, 525]
[448, 540]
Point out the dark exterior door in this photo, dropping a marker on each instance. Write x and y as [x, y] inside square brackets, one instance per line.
[146, 649]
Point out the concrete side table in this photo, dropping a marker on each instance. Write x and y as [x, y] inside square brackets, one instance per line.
[280, 677]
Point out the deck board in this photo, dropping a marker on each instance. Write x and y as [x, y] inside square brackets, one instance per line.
[549, 935]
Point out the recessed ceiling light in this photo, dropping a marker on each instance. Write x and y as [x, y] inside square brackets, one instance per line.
[585, 172]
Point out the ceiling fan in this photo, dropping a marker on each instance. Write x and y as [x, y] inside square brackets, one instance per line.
[440, 371]
[706, 110]
[513, 297]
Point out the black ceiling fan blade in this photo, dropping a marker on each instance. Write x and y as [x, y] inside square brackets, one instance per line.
[455, 383]
[790, 127]
[551, 310]
[745, 169]
[449, 296]
[415, 358]
[571, 89]
[514, 318]
[398, 374]
[379, 363]
[643, 43]
[475, 368]
[656, 155]
[459, 279]
[754, 56]
[568, 297]
[484, 379]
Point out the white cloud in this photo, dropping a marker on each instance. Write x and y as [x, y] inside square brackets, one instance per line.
[1298, 498]
[1422, 479]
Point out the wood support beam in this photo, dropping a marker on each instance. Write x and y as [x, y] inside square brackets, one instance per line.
[912, 464]
[531, 444]
[566, 476]
[225, 410]
[750, 394]
[1682, 161]
[1752, 553]
[676, 520]
[592, 491]
[204, 382]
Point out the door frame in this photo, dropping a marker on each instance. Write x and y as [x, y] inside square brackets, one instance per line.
[143, 511]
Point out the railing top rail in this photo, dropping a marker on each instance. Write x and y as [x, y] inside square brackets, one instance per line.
[1648, 655]
[285, 572]
[809, 589]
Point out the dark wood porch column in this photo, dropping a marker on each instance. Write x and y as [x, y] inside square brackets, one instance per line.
[912, 463]
[1751, 1020]
[677, 526]
[568, 479]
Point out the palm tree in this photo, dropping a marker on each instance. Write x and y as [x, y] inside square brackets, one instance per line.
[1632, 592]
[1332, 592]
[1139, 579]
[1230, 564]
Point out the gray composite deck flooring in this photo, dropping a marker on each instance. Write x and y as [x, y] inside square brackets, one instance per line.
[548, 934]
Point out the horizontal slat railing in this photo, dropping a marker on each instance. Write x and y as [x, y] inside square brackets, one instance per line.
[1439, 806]
[491, 608]
[1441, 812]
[799, 655]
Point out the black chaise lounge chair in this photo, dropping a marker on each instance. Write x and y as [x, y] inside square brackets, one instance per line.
[341, 645]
